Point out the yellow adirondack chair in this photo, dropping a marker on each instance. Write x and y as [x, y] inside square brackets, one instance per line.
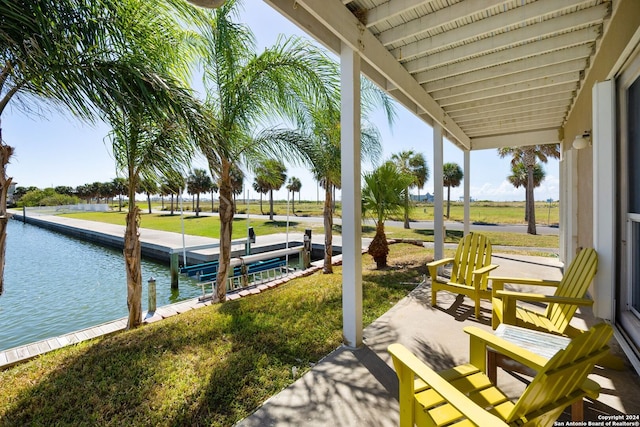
[464, 395]
[470, 272]
[569, 294]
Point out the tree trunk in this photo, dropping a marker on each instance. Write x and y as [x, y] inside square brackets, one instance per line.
[149, 201]
[271, 205]
[171, 204]
[328, 229]
[293, 202]
[5, 155]
[132, 265]
[448, 200]
[530, 161]
[198, 204]
[261, 210]
[226, 211]
[531, 207]
[406, 209]
[379, 247]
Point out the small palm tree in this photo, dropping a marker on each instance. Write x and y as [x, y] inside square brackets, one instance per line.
[261, 187]
[382, 196]
[415, 165]
[173, 185]
[273, 174]
[294, 186]
[528, 155]
[452, 176]
[148, 186]
[120, 187]
[198, 182]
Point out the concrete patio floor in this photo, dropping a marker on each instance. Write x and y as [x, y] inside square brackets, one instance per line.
[359, 387]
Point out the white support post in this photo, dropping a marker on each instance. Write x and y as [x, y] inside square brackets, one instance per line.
[351, 197]
[438, 191]
[467, 190]
[604, 196]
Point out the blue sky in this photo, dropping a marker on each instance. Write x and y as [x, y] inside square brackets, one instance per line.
[56, 149]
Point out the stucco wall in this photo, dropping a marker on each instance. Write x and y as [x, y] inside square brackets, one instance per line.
[625, 20]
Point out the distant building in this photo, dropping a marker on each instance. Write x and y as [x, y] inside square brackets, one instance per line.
[421, 198]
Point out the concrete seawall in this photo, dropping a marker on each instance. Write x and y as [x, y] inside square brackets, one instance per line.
[159, 245]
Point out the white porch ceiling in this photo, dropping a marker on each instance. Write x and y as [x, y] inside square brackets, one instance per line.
[492, 72]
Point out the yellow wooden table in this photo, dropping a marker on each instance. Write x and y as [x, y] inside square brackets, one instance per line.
[540, 343]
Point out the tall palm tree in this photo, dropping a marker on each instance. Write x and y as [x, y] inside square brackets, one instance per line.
[272, 173]
[198, 182]
[519, 178]
[244, 90]
[322, 129]
[528, 156]
[382, 196]
[451, 175]
[415, 165]
[294, 186]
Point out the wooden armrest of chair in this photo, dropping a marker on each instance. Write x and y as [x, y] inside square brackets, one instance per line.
[531, 297]
[440, 262]
[497, 283]
[407, 365]
[485, 270]
[480, 340]
[433, 266]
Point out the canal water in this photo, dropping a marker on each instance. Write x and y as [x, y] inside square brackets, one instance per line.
[55, 284]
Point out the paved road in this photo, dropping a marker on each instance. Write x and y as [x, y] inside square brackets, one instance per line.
[417, 225]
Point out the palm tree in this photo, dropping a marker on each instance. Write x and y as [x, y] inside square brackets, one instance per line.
[322, 129]
[451, 175]
[415, 165]
[294, 186]
[172, 185]
[237, 182]
[518, 178]
[244, 89]
[213, 190]
[528, 156]
[148, 186]
[79, 54]
[120, 188]
[261, 187]
[198, 182]
[272, 174]
[382, 196]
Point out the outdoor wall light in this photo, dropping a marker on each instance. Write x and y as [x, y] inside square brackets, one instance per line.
[210, 4]
[581, 141]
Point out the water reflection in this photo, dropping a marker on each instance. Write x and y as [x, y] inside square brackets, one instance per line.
[55, 284]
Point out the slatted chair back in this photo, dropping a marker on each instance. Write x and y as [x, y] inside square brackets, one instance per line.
[559, 382]
[473, 253]
[574, 284]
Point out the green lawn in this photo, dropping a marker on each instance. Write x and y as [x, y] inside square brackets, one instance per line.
[211, 366]
[209, 226]
[480, 212]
